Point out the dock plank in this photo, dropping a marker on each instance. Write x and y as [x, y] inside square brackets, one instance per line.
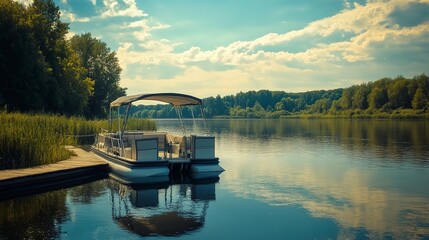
[83, 165]
[83, 159]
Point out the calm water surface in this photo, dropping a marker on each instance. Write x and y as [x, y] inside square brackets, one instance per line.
[284, 179]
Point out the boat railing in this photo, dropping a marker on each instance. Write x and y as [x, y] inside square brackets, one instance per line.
[169, 146]
[111, 143]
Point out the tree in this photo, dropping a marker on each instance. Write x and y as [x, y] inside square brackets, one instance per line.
[257, 110]
[321, 106]
[288, 104]
[39, 69]
[377, 98]
[264, 97]
[76, 86]
[335, 107]
[346, 99]
[398, 93]
[102, 66]
[49, 34]
[22, 65]
[219, 106]
[209, 104]
[279, 106]
[420, 100]
[359, 99]
[229, 101]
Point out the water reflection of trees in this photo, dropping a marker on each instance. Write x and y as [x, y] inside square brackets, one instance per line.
[33, 217]
[86, 193]
[386, 138]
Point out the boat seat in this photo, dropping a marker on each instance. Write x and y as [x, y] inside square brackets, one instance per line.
[145, 149]
[176, 144]
[130, 137]
[202, 147]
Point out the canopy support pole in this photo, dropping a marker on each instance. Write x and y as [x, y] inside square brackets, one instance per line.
[119, 119]
[125, 120]
[110, 120]
[180, 116]
[206, 129]
[193, 117]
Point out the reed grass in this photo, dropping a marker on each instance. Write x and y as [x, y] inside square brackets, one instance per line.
[28, 140]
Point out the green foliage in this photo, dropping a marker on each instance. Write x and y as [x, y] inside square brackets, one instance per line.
[398, 94]
[28, 140]
[381, 98]
[102, 66]
[359, 98]
[377, 97]
[42, 71]
[22, 64]
[321, 106]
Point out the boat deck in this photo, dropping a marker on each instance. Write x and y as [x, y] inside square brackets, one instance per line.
[178, 160]
[173, 158]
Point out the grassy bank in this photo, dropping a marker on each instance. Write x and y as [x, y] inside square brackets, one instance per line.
[28, 140]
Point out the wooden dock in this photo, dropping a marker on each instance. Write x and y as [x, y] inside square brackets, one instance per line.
[84, 167]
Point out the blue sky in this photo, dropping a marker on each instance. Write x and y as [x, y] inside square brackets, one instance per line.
[206, 47]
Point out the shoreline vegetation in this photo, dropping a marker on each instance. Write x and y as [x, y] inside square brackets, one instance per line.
[398, 98]
[395, 115]
[28, 140]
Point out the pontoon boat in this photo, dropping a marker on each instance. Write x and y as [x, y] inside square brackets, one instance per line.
[149, 156]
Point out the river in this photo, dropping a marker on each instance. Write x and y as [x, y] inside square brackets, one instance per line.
[284, 179]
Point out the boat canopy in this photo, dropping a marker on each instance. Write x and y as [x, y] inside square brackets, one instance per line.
[175, 99]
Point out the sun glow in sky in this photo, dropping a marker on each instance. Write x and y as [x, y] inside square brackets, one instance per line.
[207, 47]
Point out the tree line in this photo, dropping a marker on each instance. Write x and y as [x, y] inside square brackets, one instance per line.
[382, 96]
[42, 70]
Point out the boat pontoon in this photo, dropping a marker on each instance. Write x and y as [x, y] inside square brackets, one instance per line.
[141, 156]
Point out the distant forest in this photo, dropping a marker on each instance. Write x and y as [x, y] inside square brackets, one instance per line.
[382, 96]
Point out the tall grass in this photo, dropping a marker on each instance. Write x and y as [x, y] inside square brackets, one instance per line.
[28, 140]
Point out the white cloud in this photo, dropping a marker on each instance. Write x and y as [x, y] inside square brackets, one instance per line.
[71, 17]
[157, 52]
[194, 81]
[347, 4]
[367, 24]
[145, 27]
[114, 9]
[250, 65]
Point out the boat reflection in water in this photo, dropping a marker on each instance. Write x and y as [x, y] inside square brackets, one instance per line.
[163, 209]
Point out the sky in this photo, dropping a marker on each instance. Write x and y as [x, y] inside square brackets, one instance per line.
[205, 47]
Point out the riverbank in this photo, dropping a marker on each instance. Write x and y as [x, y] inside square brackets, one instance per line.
[357, 115]
[28, 140]
[83, 166]
[352, 114]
